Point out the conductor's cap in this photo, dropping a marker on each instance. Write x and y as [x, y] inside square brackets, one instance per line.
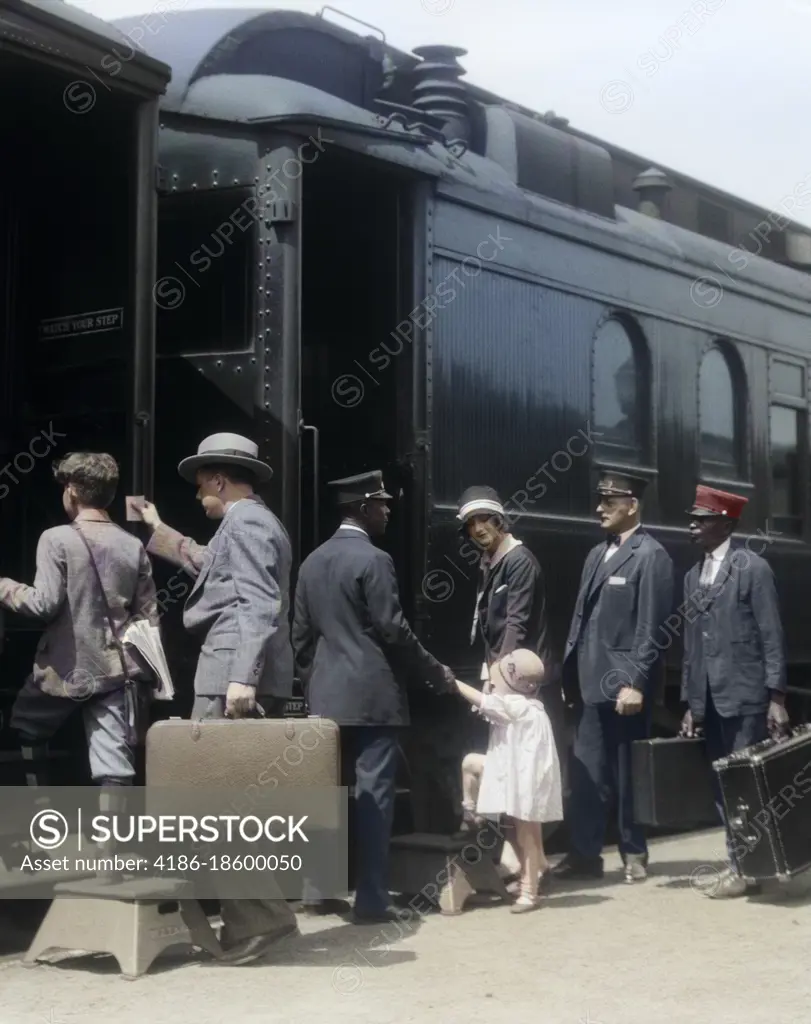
[712, 502]
[621, 485]
[362, 487]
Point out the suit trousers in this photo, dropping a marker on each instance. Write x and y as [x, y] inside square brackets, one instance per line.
[724, 736]
[601, 770]
[242, 919]
[369, 755]
[38, 716]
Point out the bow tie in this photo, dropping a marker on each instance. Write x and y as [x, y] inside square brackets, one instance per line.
[612, 539]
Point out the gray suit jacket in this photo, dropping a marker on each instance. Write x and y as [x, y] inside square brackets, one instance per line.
[240, 600]
[621, 608]
[76, 656]
[733, 639]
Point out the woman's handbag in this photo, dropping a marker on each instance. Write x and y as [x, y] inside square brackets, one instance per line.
[133, 693]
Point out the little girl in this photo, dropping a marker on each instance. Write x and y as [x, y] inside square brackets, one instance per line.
[520, 774]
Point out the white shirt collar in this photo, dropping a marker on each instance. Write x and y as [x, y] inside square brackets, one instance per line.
[509, 542]
[351, 526]
[719, 553]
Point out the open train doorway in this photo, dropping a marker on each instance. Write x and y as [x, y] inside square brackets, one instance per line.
[356, 371]
[68, 326]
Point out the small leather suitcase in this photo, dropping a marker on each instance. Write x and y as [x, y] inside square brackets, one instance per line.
[672, 783]
[765, 788]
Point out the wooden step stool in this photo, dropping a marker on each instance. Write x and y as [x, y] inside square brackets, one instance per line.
[135, 921]
[454, 867]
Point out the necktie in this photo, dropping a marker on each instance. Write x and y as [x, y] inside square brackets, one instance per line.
[705, 580]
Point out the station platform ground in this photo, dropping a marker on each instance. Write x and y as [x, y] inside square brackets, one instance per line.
[602, 952]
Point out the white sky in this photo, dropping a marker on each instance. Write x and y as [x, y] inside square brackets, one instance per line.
[717, 89]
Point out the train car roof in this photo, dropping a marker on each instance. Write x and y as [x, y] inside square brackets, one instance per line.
[193, 42]
[198, 43]
[60, 34]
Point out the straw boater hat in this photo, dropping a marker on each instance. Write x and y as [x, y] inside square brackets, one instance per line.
[226, 450]
[522, 671]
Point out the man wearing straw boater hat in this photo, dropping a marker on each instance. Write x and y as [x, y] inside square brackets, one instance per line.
[240, 606]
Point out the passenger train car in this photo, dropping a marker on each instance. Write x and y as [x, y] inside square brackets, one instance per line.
[365, 262]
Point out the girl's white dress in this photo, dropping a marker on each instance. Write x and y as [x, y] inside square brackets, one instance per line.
[521, 771]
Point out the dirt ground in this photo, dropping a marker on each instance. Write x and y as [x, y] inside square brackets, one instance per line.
[600, 953]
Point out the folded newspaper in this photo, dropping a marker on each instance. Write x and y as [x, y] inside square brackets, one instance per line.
[146, 639]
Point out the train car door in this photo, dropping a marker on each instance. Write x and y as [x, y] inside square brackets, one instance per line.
[72, 287]
[356, 371]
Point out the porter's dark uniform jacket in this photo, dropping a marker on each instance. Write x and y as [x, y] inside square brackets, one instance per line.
[621, 605]
[354, 649]
[733, 639]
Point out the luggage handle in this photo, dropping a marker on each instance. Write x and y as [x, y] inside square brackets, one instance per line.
[258, 712]
[740, 824]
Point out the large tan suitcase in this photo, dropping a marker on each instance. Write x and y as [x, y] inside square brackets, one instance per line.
[257, 758]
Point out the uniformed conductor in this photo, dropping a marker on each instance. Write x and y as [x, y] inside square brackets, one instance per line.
[353, 650]
[626, 593]
[734, 670]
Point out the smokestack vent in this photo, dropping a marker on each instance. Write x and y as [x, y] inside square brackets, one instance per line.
[438, 91]
[652, 186]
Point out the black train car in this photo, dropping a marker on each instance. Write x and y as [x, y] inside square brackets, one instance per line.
[366, 263]
[363, 262]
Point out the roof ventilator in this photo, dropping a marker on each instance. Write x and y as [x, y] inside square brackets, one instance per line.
[439, 107]
[439, 92]
[653, 187]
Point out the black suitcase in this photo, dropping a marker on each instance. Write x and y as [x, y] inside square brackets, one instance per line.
[765, 789]
[672, 783]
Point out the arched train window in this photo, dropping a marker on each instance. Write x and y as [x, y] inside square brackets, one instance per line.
[620, 392]
[721, 417]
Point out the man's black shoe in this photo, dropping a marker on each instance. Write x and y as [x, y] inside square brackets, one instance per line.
[575, 868]
[384, 917]
[254, 948]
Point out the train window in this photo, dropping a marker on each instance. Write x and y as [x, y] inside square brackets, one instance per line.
[721, 417]
[785, 427]
[788, 425]
[203, 292]
[619, 382]
[712, 220]
[788, 379]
